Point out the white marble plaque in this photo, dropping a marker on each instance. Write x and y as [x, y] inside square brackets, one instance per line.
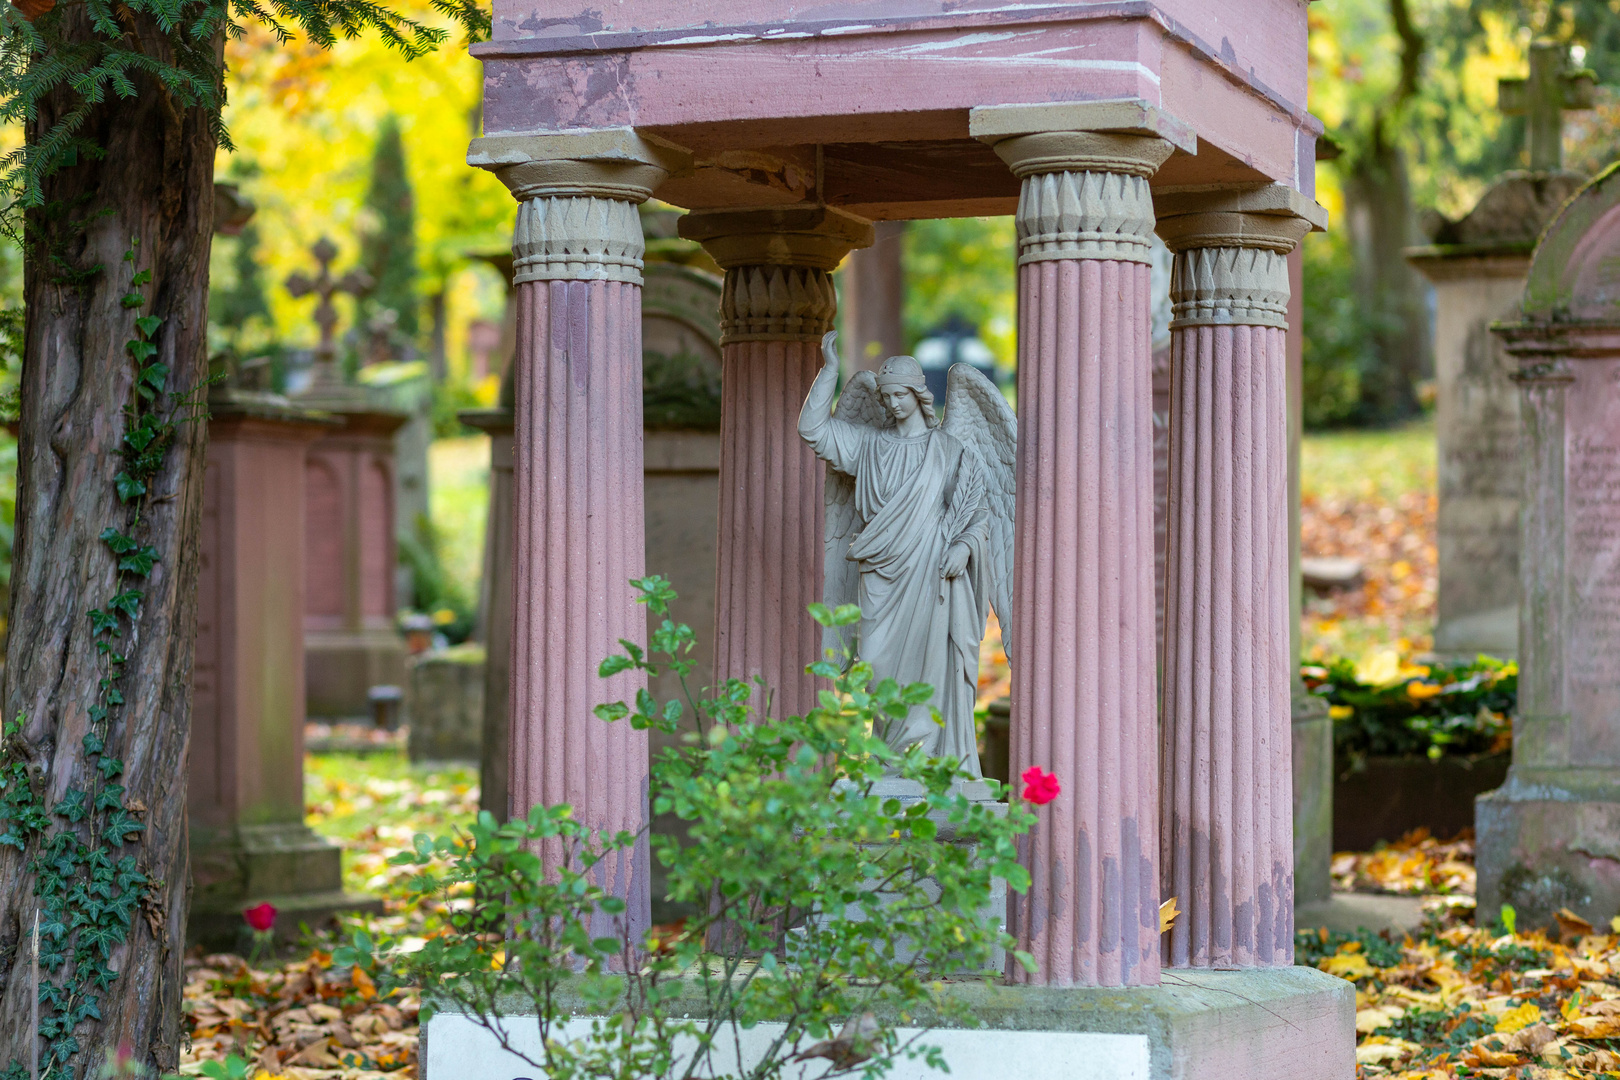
[457, 1048]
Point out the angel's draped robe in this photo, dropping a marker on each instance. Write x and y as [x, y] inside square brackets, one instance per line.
[915, 497]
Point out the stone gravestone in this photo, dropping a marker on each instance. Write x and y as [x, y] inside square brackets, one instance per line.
[681, 460]
[444, 704]
[1549, 838]
[351, 641]
[245, 799]
[1477, 265]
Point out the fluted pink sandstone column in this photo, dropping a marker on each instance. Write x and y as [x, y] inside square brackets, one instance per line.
[778, 302]
[1226, 828]
[1083, 665]
[577, 476]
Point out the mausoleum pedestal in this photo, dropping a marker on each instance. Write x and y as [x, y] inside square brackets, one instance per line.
[1550, 837]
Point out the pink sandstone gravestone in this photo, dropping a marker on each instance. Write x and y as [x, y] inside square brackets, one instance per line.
[245, 798]
[1076, 118]
[1550, 837]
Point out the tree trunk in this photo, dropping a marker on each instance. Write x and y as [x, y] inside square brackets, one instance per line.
[1391, 295]
[155, 186]
[873, 300]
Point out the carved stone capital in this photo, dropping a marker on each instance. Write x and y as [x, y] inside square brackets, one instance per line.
[612, 163]
[814, 236]
[577, 238]
[1232, 246]
[776, 303]
[1229, 286]
[1085, 215]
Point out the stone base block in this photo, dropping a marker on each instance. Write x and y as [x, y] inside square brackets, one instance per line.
[222, 929]
[1494, 633]
[1550, 840]
[340, 666]
[287, 864]
[1346, 912]
[1274, 1024]
[1312, 731]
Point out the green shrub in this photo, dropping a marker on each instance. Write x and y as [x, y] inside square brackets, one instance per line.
[821, 905]
[1434, 710]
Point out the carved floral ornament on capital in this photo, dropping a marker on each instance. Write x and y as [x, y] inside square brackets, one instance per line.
[577, 238]
[776, 303]
[1229, 286]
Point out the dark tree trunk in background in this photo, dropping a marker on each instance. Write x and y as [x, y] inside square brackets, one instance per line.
[873, 299]
[155, 185]
[1390, 294]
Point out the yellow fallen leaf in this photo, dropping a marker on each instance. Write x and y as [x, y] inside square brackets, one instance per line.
[1521, 1017]
[1371, 1019]
[1571, 926]
[363, 984]
[1379, 1051]
[1167, 915]
[1350, 966]
[1418, 691]
[1345, 712]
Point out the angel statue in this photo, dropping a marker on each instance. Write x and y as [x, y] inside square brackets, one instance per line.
[919, 532]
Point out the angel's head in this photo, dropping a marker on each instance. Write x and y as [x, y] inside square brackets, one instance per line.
[903, 390]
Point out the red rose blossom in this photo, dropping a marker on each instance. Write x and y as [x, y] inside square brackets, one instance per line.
[1040, 787]
[262, 916]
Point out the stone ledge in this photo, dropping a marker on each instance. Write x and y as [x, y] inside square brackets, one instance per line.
[1260, 1024]
[224, 928]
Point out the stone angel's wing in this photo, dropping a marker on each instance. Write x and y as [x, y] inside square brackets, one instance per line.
[858, 404]
[978, 416]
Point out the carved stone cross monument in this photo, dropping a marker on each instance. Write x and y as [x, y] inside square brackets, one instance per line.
[356, 282]
[1542, 98]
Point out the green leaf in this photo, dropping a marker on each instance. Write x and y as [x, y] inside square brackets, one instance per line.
[142, 277]
[613, 665]
[117, 541]
[128, 487]
[132, 300]
[139, 562]
[148, 324]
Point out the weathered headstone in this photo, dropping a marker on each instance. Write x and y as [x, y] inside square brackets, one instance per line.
[245, 799]
[1477, 265]
[351, 642]
[1549, 838]
[444, 704]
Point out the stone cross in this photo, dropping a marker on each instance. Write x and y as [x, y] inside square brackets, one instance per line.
[356, 283]
[1551, 89]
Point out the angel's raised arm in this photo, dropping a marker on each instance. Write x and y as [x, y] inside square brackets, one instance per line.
[818, 403]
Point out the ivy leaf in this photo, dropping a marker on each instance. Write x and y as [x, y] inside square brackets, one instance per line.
[140, 561]
[128, 487]
[148, 324]
[154, 374]
[142, 277]
[102, 621]
[142, 351]
[132, 300]
[72, 806]
[140, 437]
[117, 541]
[128, 602]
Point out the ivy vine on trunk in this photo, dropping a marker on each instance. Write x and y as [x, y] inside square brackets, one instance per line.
[120, 104]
